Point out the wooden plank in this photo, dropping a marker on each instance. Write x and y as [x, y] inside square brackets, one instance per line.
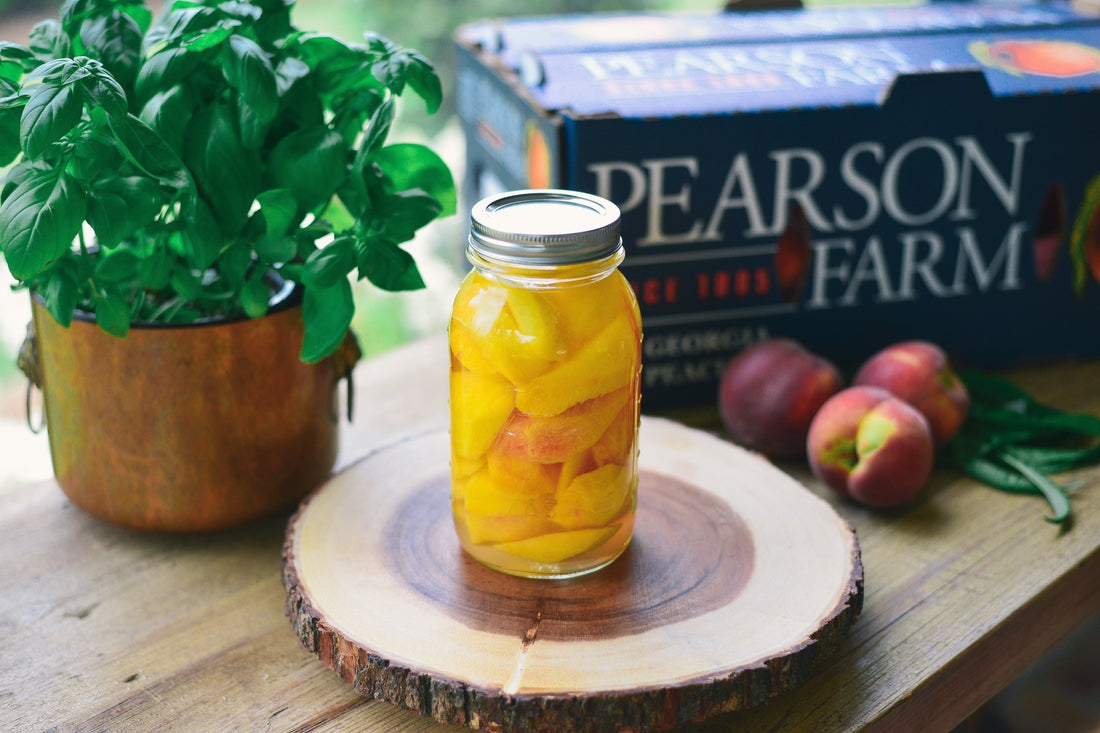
[963, 591]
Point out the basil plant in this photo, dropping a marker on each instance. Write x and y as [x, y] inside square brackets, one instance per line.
[176, 172]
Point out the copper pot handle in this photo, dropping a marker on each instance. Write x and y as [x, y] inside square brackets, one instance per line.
[27, 362]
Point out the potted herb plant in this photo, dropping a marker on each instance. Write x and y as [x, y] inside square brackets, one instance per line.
[185, 202]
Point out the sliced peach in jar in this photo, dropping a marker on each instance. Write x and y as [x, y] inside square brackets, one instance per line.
[481, 405]
[558, 546]
[583, 310]
[466, 349]
[617, 442]
[554, 438]
[508, 470]
[605, 363]
[501, 513]
[593, 499]
[536, 324]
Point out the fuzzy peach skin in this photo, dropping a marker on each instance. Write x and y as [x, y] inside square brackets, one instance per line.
[769, 393]
[919, 373]
[869, 445]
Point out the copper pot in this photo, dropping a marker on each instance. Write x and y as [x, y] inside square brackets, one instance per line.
[186, 428]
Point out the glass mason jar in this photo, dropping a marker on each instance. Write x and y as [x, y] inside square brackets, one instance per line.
[545, 341]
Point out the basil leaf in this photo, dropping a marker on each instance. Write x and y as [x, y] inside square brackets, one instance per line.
[248, 69]
[155, 270]
[255, 296]
[39, 220]
[118, 205]
[202, 238]
[9, 136]
[52, 111]
[60, 294]
[111, 314]
[326, 314]
[168, 113]
[330, 264]
[147, 150]
[404, 212]
[414, 166]
[386, 265]
[48, 41]
[226, 173]
[311, 164]
[116, 267]
[279, 210]
[115, 39]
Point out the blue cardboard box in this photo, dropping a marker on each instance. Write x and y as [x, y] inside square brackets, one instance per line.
[847, 178]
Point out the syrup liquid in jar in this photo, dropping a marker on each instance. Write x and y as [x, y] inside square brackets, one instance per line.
[545, 346]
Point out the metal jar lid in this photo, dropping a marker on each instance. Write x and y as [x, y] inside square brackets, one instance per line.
[544, 227]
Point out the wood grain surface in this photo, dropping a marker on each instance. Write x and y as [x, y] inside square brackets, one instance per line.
[737, 583]
[103, 629]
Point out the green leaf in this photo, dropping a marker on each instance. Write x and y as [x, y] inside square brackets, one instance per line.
[202, 237]
[208, 38]
[60, 293]
[1054, 493]
[377, 129]
[112, 314]
[185, 283]
[310, 163]
[227, 173]
[235, 262]
[147, 150]
[326, 314]
[404, 212]
[156, 270]
[397, 66]
[9, 136]
[119, 204]
[386, 265]
[39, 220]
[411, 166]
[52, 111]
[329, 265]
[117, 267]
[279, 210]
[164, 70]
[275, 250]
[168, 113]
[255, 296]
[48, 41]
[248, 69]
[115, 39]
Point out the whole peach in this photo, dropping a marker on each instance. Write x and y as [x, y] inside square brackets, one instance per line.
[869, 445]
[769, 393]
[919, 373]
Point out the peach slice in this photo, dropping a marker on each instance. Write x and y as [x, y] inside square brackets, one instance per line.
[466, 349]
[605, 363]
[500, 513]
[592, 499]
[481, 405]
[558, 546]
[616, 443]
[536, 324]
[507, 469]
[580, 308]
[553, 439]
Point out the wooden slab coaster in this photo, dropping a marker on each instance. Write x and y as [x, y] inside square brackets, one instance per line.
[737, 581]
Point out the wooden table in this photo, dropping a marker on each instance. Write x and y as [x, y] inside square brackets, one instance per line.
[102, 629]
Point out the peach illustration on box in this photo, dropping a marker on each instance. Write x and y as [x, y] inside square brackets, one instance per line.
[1060, 59]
